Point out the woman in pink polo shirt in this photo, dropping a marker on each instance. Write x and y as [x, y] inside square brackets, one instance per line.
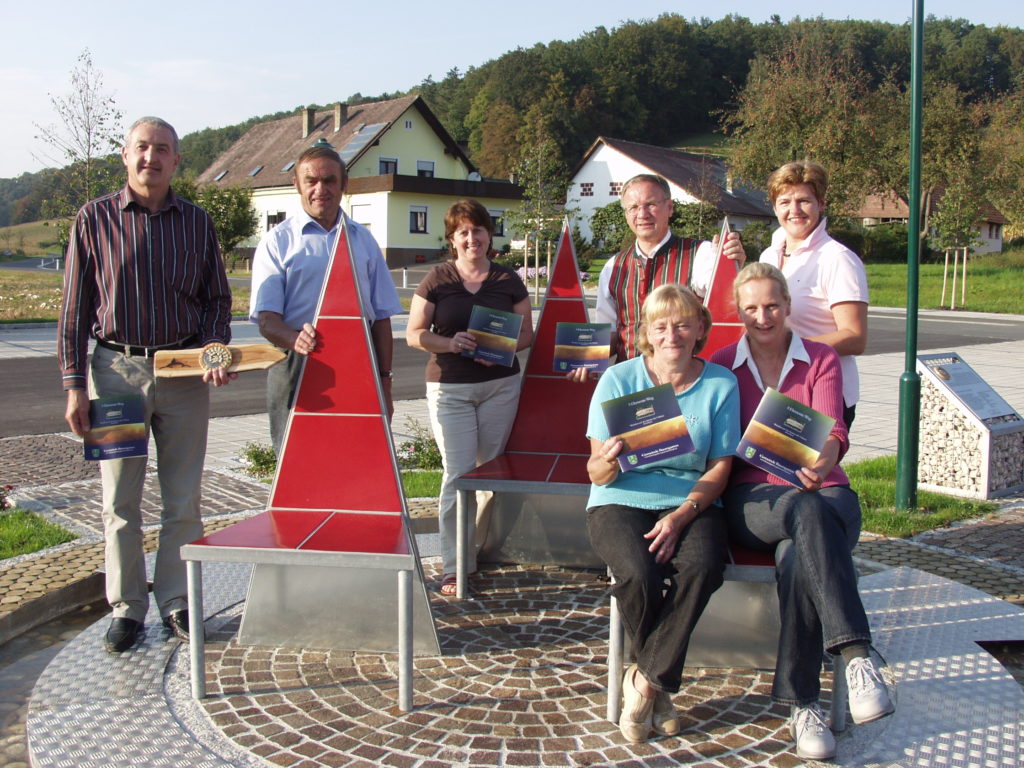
[812, 529]
[826, 279]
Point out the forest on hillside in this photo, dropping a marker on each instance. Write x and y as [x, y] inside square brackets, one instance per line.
[664, 80]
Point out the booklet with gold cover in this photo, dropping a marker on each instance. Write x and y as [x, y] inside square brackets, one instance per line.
[496, 333]
[582, 345]
[650, 424]
[784, 435]
[117, 428]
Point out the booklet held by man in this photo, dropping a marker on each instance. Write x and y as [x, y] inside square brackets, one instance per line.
[582, 345]
[650, 424]
[117, 428]
[783, 436]
[496, 333]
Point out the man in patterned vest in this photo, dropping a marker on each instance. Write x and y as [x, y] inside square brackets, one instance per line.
[655, 258]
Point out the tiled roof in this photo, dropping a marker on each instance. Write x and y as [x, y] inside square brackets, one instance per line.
[891, 206]
[276, 143]
[703, 176]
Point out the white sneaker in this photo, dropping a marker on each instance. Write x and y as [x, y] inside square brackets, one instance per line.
[869, 698]
[814, 740]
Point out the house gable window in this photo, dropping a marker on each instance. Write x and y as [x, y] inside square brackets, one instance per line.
[418, 219]
[586, 189]
[388, 165]
[425, 168]
[614, 188]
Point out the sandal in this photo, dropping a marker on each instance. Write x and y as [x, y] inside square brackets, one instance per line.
[449, 584]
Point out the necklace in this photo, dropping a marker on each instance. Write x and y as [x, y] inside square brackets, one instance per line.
[662, 379]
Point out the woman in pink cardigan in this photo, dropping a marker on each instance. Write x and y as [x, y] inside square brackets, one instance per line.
[813, 528]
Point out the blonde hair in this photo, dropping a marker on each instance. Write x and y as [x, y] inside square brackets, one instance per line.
[667, 299]
[760, 270]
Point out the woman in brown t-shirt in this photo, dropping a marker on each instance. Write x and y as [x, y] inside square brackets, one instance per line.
[471, 402]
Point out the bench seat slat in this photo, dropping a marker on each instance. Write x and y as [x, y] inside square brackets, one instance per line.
[368, 534]
[313, 531]
[272, 529]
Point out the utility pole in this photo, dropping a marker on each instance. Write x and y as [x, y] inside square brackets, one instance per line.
[910, 381]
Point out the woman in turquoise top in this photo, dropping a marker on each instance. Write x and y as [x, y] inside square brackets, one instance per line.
[662, 522]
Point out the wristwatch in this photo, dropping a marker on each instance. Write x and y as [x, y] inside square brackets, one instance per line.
[387, 374]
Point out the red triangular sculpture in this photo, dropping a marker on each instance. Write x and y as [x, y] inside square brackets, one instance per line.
[552, 414]
[337, 453]
[727, 327]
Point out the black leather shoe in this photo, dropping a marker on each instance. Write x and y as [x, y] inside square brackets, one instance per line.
[123, 634]
[177, 624]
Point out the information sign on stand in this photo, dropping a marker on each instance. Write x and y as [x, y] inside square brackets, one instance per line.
[971, 439]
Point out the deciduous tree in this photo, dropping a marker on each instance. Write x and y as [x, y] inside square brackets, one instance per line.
[229, 207]
[87, 132]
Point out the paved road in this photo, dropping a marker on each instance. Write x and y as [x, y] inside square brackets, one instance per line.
[34, 404]
[940, 330]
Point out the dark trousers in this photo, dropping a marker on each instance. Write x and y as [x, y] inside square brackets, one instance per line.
[812, 534]
[660, 603]
[282, 383]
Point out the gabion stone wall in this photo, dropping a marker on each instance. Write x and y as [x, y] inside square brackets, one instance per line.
[954, 450]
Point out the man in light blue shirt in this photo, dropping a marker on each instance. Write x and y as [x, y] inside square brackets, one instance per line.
[288, 274]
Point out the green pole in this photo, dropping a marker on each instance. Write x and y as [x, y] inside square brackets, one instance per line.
[910, 381]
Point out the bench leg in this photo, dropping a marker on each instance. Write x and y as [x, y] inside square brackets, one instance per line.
[405, 640]
[840, 693]
[197, 641]
[461, 542]
[615, 647]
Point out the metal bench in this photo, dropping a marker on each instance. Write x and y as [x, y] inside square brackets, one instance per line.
[283, 601]
[336, 517]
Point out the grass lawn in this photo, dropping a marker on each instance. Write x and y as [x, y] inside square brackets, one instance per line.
[23, 532]
[29, 296]
[875, 482]
[425, 484]
[995, 283]
[36, 238]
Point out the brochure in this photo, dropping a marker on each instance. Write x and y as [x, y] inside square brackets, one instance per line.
[496, 333]
[784, 435]
[651, 425]
[118, 428]
[582, 345]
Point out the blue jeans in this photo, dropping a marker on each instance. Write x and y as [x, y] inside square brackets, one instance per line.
[659, 616]
[812, 534]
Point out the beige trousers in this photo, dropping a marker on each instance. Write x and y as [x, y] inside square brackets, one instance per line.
[471, 423]
[177, 416]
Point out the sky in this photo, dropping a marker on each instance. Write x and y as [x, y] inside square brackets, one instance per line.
[216, 62]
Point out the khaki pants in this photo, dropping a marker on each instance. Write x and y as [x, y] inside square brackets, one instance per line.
[471, 423]
[177, 416]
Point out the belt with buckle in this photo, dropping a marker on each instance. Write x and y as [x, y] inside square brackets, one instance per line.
[130, 351]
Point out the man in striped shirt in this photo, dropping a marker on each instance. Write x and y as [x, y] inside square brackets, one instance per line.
[657, 257]
[144, 273]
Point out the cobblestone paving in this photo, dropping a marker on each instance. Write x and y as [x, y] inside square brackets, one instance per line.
[78, 506]
[521, 683]
[1004, 583]
[43, 460]
[995, 537]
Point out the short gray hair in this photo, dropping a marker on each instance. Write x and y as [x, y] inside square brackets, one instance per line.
[154, 121]
[649, 178]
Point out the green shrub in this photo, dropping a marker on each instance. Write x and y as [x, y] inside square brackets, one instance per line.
[260, 461]
[421, 452]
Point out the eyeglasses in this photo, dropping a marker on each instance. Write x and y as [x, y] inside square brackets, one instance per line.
[633, 210]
